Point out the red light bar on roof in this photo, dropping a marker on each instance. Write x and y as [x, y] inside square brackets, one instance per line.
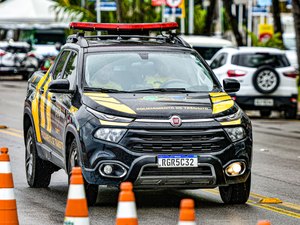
[123, 26]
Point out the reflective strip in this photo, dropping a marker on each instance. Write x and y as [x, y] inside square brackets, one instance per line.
[187, 223]
[76, 221]
[126, 210]
[76, 191]
[5, 167]
[7, 194]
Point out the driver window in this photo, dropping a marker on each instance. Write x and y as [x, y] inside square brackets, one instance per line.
[57, 74]
[71, 69]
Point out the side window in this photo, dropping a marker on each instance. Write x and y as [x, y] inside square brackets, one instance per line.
[71, 69]
[57, 74]
[215, 62]
[219, 61]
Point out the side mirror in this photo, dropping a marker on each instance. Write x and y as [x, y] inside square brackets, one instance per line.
[60, 86]
[231, 85]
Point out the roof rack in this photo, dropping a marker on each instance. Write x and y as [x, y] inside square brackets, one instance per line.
[125, 31]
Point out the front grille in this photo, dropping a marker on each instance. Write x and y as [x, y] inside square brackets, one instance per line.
[191, 171]
[175, 141]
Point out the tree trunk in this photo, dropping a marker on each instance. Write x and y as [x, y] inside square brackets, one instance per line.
[277, 18]
[207, 30]
[119, 11]
[296, 13]
[233, 22]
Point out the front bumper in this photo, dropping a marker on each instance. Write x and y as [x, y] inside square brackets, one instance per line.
[142, 168]
[280, 103]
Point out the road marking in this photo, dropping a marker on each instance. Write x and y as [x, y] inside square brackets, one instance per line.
[268, 207]
[12, 133]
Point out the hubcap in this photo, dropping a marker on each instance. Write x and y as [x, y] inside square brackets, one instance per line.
[266, 80]
[29, 158]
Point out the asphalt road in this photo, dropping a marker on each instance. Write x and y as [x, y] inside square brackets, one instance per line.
[276, 174]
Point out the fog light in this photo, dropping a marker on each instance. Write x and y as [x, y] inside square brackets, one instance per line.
[107, 169]
[234, 169]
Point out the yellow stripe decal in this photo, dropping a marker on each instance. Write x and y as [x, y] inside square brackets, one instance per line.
[222, 106]
[103, 95]
[112, 100]
[218, 94]
[234, 122]
[110, 123]
[73, 109]
[35, 109]
[48, 113]
[118, 107]
[220, 99]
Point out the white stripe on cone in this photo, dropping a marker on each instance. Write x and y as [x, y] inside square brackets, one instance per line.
[5, 167]
[76, 221]
[76, 191]
[186, 223]
[126, 210]
[7, 194]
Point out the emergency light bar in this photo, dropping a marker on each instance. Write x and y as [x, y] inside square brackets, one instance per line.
[117, 27]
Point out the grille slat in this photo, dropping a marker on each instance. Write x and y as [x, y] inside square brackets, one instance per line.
[195, 171]
[175, 141]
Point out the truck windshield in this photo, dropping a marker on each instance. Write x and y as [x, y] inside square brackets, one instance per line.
[138, 71]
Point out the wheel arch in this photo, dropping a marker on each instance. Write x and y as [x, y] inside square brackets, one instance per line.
[27, 122]
[70, 134]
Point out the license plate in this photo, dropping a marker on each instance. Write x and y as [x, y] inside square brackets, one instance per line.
[177, 160]
[263, 102]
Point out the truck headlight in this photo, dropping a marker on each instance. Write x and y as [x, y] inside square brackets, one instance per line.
[110, 134]
[235, 133]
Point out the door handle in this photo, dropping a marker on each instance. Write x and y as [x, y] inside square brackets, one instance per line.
[53, 98]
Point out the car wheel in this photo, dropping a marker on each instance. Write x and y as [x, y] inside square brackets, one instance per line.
[291, 113]
[266, 80]
[265, 113]
[236, 193]
[91, 190]
[38, 171]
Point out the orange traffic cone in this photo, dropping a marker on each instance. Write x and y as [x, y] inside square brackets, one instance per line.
[76, 209]
[126, 214]
[187, 212]
[264, 222]
[8, 204]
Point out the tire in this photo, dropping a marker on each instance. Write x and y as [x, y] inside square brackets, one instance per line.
[236, 193]
[266, 80]
[265, 113]
[38, 171]
[91, 190]
[291, 113]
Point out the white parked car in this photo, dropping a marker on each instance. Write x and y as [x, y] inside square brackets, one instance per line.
[17, 58]
[268, 81]
[207, 46]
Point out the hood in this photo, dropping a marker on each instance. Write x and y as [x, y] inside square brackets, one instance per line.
[187, 106]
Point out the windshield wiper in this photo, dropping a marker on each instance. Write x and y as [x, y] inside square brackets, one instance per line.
[105, 90]
[183, 90]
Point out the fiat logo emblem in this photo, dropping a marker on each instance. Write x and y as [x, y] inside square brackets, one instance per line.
[175, 121]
